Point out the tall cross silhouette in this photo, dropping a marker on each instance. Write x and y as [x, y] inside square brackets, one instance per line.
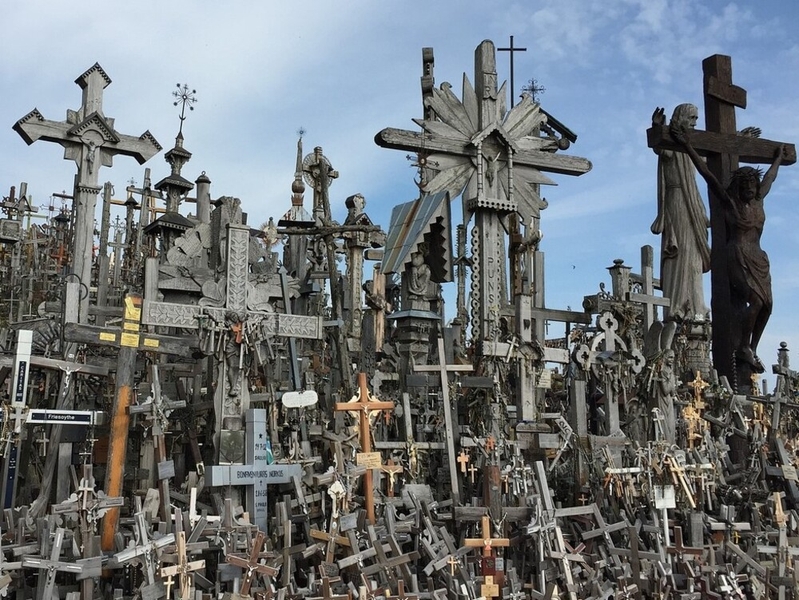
[511, 49]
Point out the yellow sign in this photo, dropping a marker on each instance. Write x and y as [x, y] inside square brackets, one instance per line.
[108, 337]
[150, 343]
[132, 311]
[130, 326]
[129, 340]
[370, 460]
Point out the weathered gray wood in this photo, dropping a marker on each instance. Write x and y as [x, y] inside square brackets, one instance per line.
[90, 140]
[410, 141]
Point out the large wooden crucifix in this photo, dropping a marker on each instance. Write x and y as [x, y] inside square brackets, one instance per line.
[88, 138]
[724, 148]
[490, 155]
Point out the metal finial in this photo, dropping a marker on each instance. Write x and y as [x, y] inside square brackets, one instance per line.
[533, 88]
[301, 131]
[184, 98]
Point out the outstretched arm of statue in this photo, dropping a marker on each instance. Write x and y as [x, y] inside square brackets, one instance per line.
[771, 174]
[680, 135]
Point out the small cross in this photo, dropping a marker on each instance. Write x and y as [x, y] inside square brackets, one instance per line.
[490, 444]
[699, 386]
[463, 459]
[452, 562]
[472, 471]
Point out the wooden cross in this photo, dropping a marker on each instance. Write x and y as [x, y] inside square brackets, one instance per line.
[183, 569]
[251, 565]
[489, 589]
[88, 506]
[289, 549]
[463, 459]
[51, 566]
[485, 153]
[444, 370]
[472, 471]
[327, 592]
[148, 551]
[19, 397]
[487, 543]
[363, 406]
[258, 472]
[392, 470]
[89, 139]
[698, 385]
[724, 148]
[679, 550]
[155, 411]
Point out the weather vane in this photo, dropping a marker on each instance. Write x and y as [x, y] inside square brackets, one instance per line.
[185, 98]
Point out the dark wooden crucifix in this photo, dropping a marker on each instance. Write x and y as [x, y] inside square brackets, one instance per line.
[724, 148]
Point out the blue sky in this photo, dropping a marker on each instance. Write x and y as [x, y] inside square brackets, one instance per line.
[345, 70]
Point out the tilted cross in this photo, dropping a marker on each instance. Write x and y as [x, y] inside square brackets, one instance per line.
[251, 565]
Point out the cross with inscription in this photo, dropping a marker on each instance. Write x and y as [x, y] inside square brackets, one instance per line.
[723, 148]
[88, 138]
[257, 473]
[363, 404]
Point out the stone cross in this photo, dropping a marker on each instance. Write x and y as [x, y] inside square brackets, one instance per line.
[257, 473]
[88, 138]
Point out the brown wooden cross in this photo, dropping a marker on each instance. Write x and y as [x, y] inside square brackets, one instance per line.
[392, 471]
[363, 406]
[487, 543]
[680, 550]
[723, 147]
[251, 565]
[463, 459]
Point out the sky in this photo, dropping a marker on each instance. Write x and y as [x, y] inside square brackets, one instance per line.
[342, 71]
